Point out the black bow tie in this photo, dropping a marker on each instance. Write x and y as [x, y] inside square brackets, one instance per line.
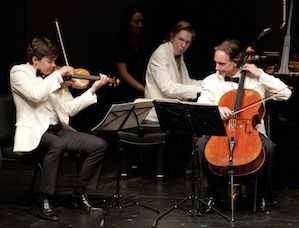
[39, 73]
[177, 56]
[230, 79]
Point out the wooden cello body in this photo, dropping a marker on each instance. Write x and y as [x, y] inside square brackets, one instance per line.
[241, 150]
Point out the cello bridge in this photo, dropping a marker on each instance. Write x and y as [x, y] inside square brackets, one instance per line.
[232, 123]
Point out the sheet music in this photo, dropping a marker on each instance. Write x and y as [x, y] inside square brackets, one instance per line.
[141, 110]
[124, 116]
[177, 101]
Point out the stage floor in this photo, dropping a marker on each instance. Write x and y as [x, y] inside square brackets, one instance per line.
[144, 189]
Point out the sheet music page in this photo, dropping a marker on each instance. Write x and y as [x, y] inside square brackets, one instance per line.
[125, 115]
[141, 110]
[138, 100]
[168, 100]
[194, 103]
[114, 117]
[177, 101]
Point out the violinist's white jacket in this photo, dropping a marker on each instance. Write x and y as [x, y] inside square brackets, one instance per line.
[35, 98]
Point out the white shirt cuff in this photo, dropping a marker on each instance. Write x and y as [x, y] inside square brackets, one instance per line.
[58, 76]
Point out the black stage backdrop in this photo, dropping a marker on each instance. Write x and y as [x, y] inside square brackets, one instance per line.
[89, 26]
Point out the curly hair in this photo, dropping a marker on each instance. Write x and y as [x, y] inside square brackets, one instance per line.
[41, 47]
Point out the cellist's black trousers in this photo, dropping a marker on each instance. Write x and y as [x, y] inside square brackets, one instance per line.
[265, 173]
[208, 179]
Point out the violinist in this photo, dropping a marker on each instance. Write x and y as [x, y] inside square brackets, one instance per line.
[229, 59]
[44, 106]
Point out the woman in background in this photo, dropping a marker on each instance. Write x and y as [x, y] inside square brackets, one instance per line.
[130, 55]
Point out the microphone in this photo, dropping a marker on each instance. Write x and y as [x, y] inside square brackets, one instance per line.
[284, 13]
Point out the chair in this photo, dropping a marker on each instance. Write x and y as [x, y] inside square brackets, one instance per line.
[148, 135]
[7, 122]
[7, 129]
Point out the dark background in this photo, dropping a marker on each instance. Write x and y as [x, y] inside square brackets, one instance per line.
[88, 27]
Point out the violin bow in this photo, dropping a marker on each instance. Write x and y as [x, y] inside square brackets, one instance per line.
[61, 41]
[113, 81]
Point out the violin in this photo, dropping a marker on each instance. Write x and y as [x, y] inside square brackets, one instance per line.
[82, 78]
[241, 151]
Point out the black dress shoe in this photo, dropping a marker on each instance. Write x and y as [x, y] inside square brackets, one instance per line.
[45, 210]
[265, 206]
[210, 203]
[82, 202]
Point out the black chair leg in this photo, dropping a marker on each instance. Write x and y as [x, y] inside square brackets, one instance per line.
[124, 174]
[1, 158]
[255, 200]
[160, 175]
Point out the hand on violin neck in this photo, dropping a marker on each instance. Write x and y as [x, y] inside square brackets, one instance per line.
[104, 79]
[225, 113]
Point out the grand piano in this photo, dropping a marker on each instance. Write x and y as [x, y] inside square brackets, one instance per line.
[283, 118]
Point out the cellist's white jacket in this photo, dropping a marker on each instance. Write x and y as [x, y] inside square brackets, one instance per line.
[214, 87]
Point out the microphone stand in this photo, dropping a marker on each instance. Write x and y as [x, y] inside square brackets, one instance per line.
[284, 65]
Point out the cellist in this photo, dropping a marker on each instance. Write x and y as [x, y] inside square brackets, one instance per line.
[229, 59]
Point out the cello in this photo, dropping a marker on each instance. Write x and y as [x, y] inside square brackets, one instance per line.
[240, 152]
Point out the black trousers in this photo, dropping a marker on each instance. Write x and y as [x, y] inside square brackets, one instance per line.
[55, 142]
[208, 179]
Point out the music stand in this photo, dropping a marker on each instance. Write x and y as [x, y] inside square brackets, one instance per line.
[190, 118]
[119, 117]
